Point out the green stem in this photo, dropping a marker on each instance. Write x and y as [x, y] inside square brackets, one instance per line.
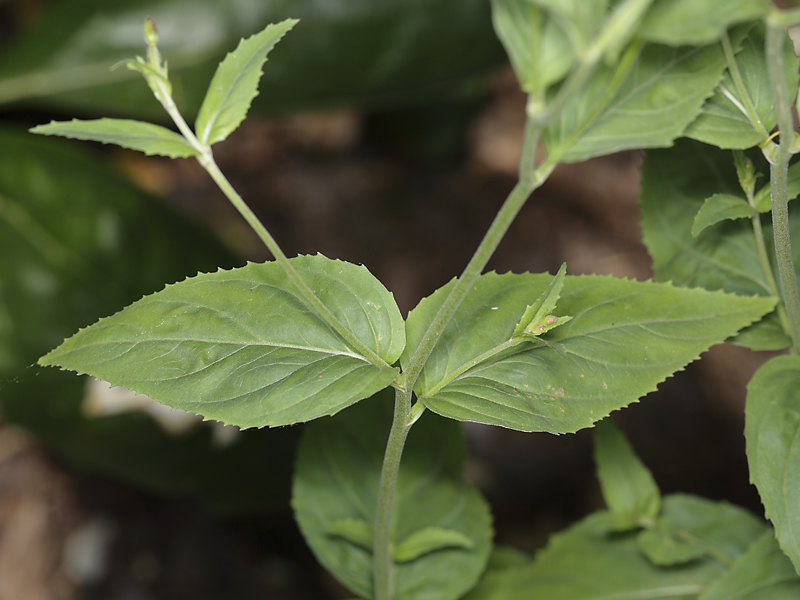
[766, 267]
[383, 560]
[779, 167]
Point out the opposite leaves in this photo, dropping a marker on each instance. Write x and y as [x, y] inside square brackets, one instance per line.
[623, 339]
[243, 347]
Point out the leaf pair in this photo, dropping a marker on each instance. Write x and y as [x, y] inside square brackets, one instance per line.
[224, 107]
[442, 526]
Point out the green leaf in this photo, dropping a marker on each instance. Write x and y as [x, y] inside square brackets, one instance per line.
[646, 102]
[537, 318]
[697, 22]
[347, 52]
[629, 489]
[539, 49]
[580, 564]
[79, 241]
[763, 572]
[235, 84]
[772, 431]
[663, 545]
[581, 19]
[720, 207]
[243, 347]
[145, 137]
[692, 527]
[675, 184]
[337, 474]
[763, 201]
[625, 337]
[357, 531]
[428, 540]
[724, 121]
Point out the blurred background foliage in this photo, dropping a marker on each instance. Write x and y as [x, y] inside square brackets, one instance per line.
[79, 241]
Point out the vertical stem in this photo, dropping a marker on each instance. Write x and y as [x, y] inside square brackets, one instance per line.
[779, 166]
[763, 260]
[383, 560]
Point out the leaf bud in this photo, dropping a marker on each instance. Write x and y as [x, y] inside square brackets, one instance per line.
[150, 32]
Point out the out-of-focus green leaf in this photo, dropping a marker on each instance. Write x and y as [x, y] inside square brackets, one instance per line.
[235, 84]
[428, 540]
[646, 101]
[539, 49]
[772, 430]
[345, 52]
[581, 19]
[337, 475]
[581, 564]
[145, 137]
[357, 531]
[761, 573]
[630, 492]
[697, 22]
[763, 201]
[724, 121]
[691, 527]
[720, 207]
[624, 338]
[243, 346]
[79, 242]
[675, 184]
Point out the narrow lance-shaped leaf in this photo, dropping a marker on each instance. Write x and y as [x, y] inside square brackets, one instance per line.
[720, 207]
[442, 527]
[630, 492]
[624, 338]
[243, 347]
[136, 135]
[538, 48]
[538, 318]
[772, 430]
[235, 84]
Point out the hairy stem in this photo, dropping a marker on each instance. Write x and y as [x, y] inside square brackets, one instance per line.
[383, 561]
[779, 166]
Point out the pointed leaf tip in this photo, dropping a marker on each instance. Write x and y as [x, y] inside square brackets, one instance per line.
[235, 84]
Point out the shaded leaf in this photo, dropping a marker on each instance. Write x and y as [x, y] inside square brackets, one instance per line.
[347, 52]
[723, 121]
[697, 22]
[145, 137]
[357, 531]
[763, 572]
[337, 475]
[647, 104]
[243, 347]
[629, 489]
[580, 564]
[763, 201]
[539, 49]
[79, 241]
[625, 337]
[235, 84]
[675, 184]
[720, 207]
[664, 547]
[428, 540]
[692, 527]
[772, 430]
